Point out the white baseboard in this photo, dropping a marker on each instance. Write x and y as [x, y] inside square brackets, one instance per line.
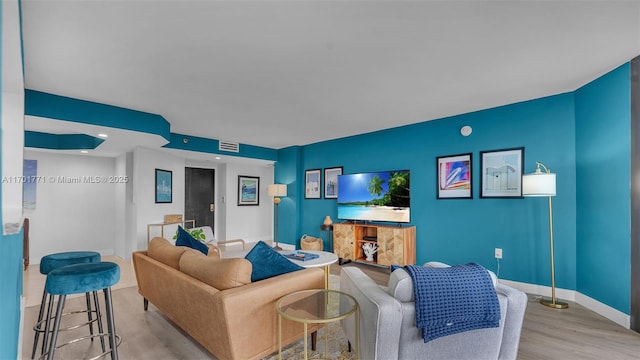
[607, 311]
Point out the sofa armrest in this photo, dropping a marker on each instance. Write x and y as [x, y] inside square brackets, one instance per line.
[516, 306]
[380, 316]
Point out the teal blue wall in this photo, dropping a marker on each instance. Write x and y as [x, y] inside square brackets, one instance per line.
[582, 136]
[603, 169]
[210, 146]
[458, 231]
[37, 103]
[42, 140]
[11, 280]
[286, 170]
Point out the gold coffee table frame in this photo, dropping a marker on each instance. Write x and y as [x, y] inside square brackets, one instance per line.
[311, 307]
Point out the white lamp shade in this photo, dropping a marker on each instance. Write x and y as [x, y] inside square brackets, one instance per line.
[539, 184]
[277, 190]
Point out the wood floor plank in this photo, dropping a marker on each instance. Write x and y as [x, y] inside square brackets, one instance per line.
[573, 333]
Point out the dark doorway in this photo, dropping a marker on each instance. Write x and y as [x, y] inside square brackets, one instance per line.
[199, 195]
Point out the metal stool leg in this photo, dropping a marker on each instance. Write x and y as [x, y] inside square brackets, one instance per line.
[56, 326]
[99, 316]
[47, 325]
[43, 303]
[111, 325]
[87, 298]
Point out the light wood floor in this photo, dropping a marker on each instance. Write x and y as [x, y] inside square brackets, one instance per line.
[574, 333]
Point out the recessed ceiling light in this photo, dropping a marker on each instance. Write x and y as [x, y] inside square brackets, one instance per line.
[103, 135]
[84, 151]
[218, 158]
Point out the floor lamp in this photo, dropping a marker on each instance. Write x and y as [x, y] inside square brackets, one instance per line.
[277, 190]
[544, 184]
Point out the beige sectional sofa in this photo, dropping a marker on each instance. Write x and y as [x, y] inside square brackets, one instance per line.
[214, 301]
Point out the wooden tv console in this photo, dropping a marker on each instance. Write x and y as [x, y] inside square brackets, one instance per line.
[396, 244]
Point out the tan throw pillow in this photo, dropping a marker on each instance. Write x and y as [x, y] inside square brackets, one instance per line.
[222, 274]
[162, 250]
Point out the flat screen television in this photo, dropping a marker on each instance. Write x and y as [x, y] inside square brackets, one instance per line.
[375, 196]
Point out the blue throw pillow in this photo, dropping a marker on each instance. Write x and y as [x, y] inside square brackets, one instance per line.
[268, 262]
[185, 239]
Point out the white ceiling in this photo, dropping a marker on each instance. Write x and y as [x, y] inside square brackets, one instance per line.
[282, 73]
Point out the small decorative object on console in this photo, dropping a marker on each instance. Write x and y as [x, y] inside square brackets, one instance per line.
[369, 250]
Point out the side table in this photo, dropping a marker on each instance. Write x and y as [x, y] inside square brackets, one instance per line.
[316, 307]
[325, 259]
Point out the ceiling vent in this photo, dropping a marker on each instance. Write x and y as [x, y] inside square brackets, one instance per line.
[228, 146]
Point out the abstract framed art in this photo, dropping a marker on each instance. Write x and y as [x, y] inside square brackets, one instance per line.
[501, 173]
[164, 186]
[248, 190]
[454, 177]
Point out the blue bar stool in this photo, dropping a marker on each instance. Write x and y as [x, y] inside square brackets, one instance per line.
[52, 262]
[78, 279]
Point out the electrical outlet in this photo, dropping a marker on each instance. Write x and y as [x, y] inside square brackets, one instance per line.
[498, 253]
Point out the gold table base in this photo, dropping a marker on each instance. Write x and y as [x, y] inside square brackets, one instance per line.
[293, 311]
[554, 304]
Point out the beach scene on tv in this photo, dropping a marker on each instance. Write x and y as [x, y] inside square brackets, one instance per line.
[376, 196]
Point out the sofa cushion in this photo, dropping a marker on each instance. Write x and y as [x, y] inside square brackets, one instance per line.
[162, 250]
[400, 284]
[268, 263]
[185, 239]
[222, 274]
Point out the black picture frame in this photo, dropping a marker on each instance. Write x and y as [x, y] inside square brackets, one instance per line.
[454, 176]
[312, 184]
[501, 173]
[164, 186]
[248, 190]
[331, 182]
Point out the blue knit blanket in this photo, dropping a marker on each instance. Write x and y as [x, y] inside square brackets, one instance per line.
[454, 299]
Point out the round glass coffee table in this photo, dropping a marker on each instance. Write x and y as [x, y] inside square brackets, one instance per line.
[318, 306]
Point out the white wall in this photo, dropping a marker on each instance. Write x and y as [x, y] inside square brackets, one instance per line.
[145, 161]
[12, 116]
[112, 218]
[131, 216]
[72, 216]
[120, 197]
[250, 223]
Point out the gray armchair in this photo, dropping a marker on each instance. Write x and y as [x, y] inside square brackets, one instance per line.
[388, 323]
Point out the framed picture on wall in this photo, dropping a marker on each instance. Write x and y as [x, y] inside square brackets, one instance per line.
[501, 175]
[454, 176]
[312, 184]
[164, 186]
[248, 190]
[331, 182]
